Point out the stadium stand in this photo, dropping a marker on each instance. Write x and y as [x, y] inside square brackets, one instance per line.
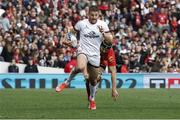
[146, 32]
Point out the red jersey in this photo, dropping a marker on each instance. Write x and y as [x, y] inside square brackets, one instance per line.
[174, 25]
[108, 58]
[162, 19]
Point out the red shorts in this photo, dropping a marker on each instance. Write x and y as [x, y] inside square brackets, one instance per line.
[108, 58]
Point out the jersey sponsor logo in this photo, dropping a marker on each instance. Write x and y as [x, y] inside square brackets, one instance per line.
[157, 83]
[91, 34]
[174, 83]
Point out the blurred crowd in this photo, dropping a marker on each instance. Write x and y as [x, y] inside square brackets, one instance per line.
[146, 32]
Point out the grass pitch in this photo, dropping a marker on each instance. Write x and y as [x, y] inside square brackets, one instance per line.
[72, 103]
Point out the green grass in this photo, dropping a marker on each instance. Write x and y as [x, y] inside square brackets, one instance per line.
[72, 103]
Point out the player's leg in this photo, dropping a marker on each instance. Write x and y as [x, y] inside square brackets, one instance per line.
[93, 76]
[88, 87]
[101, 70]
[65, 84]
[88, 92]
[81, 67]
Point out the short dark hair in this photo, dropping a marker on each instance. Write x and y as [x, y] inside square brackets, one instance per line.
[4, 14]
[93, 9]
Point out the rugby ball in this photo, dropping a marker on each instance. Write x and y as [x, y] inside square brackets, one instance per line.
[73, 39]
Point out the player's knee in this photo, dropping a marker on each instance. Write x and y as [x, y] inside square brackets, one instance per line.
[86, 76]
[77, 70]
[93, 82]
[98, 78]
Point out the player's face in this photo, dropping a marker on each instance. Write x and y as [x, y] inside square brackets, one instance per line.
[93, 16]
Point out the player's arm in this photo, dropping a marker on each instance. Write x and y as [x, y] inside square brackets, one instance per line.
[73, 39]
[67, 43]
[107, 37]
[112, 70]
[75, 31]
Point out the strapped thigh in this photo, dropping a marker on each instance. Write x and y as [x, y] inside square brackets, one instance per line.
[93, 74]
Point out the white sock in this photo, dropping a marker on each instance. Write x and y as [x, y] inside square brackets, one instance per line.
[93, 90]
[97, 86]
[71, 76]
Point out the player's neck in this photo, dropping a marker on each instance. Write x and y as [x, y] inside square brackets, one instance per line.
[92, 23]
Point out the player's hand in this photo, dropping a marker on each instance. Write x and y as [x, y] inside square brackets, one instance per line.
[67, 43]
[101, 29]
[114, 94]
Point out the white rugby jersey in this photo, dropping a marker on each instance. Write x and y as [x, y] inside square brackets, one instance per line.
[90, 37]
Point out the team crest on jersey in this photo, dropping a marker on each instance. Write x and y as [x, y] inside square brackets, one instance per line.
[91, 34]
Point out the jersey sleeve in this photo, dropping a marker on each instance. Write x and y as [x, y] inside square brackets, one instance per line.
[78, 26]
[105, 27]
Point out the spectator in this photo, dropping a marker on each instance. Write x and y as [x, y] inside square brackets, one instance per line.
[1, 49]
[162, 20]
[174, 24]
[4, 22]
[61, 62]
[125, 65]
[13, 68]
[31, 67]
[16, 55]
[7, 52]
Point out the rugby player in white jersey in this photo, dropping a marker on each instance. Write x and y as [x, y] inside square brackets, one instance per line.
[92, 33]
